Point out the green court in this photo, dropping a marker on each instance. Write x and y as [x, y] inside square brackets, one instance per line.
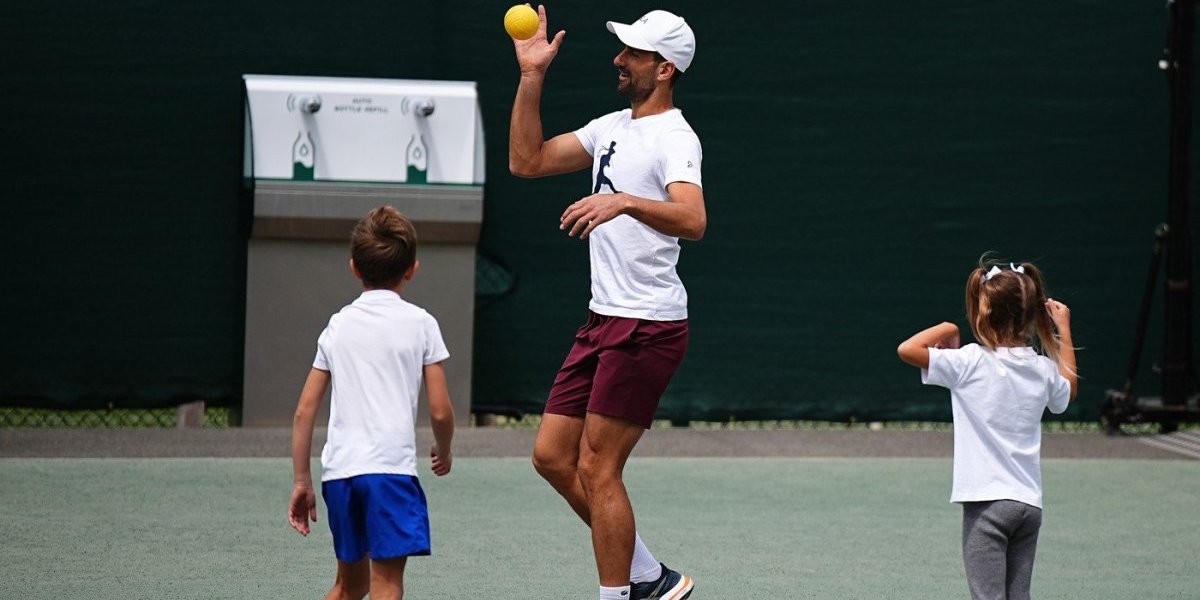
[743, 527]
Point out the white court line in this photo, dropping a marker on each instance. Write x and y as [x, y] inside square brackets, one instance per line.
[1191, 436]
[1172, 444]
[1186, 439]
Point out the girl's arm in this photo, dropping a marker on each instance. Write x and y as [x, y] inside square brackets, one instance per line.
[1061, 315]
[915, 350]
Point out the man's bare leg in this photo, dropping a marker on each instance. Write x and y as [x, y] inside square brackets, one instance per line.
[556, 458]
[603, 450]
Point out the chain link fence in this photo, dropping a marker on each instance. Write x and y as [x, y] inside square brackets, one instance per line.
[214, 417]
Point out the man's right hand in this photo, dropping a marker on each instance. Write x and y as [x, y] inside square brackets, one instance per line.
[534, 54]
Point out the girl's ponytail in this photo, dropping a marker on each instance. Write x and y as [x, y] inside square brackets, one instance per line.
[1047, 333]
[977, 308]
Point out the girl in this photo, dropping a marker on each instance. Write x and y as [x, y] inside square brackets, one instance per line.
[998, 390]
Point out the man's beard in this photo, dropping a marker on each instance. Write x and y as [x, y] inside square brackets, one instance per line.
[633, 92]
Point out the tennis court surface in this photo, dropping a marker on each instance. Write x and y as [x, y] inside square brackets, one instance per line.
[109, 514]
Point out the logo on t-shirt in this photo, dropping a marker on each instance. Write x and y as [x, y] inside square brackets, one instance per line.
[601, 177]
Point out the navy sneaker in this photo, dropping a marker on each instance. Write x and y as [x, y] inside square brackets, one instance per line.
[669, 586]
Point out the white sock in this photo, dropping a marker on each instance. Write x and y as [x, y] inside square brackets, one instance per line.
[614, 593]
[644, 566]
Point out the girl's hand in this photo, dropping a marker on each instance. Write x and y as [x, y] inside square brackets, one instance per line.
[950, 342]
[1059, 313]
[915, 350]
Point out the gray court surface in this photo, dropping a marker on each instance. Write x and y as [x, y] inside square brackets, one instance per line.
[518, 442]
[111, 514]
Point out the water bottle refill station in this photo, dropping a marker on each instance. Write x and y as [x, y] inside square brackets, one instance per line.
[319, 153]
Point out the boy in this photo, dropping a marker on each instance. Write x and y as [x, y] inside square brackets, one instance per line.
[375, 353]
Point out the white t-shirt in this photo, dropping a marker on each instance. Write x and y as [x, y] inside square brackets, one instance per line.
[633, 266]
[998, 398]
[375, 349]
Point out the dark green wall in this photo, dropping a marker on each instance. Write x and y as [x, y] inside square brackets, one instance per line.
[859, 157]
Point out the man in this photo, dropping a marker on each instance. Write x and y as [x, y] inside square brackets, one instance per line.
[646, 195]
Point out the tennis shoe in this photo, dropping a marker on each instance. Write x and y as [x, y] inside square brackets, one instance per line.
[671, 585]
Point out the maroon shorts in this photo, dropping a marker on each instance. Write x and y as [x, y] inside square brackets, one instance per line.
[618, 367]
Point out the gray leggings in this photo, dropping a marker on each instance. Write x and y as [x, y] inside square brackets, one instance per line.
[999, 541]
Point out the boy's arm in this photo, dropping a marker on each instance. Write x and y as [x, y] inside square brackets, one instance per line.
[441, 417]
[303, 506]
[915, 350]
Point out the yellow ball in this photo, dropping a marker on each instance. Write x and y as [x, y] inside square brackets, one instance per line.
[521, 22]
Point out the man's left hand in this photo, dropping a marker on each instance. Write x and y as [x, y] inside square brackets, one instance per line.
[589, 213]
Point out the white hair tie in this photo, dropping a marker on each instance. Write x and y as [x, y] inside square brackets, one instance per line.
[995, 270]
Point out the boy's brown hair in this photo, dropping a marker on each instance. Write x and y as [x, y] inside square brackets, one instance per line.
[383, 247]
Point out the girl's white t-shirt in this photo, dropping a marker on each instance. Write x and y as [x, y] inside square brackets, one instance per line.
[633, 266]
[376, 349]
[998, 398]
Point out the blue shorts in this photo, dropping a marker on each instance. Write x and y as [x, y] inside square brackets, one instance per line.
[384, 516]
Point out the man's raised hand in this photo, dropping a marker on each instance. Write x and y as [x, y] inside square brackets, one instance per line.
[534, 54]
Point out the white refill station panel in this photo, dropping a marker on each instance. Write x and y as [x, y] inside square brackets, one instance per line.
[319, 154]
[363, 130]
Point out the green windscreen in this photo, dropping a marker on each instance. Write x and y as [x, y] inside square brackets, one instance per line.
[858, 158]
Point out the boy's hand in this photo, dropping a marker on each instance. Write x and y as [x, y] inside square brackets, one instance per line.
[441, 462]
[302, 508]
[1060, 314]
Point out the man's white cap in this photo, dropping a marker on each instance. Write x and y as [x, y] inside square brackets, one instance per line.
[663, 32]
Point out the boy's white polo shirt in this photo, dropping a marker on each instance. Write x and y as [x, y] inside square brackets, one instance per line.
[998, 398]
[376, 349]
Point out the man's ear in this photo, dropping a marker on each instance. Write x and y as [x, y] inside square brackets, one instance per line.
[666, 70]
[354, 270]
[412, 270]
